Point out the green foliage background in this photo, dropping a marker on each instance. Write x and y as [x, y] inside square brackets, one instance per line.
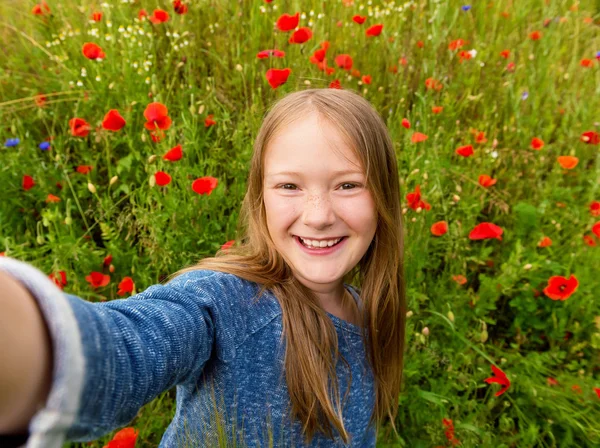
[204, 62]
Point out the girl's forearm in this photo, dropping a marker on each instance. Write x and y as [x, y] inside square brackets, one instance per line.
[25, 357]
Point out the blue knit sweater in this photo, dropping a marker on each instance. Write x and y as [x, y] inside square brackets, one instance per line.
[202, 333]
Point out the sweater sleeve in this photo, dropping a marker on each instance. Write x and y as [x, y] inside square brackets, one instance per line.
[112, 358]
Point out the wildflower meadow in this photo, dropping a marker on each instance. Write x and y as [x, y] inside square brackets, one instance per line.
[127, 127]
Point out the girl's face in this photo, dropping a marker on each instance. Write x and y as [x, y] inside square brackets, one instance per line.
[324, 198]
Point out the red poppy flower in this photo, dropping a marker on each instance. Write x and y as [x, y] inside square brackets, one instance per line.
[159, 16]
[227, 245]
[560, 288]
[28, 182]
[568, 162]
[92, 51]
[486, 230]
[505, 54]
[545, 242]
[420, 44]
[415, 201]
[97, 279]
[465, 151]
[113, 121]
[595, 208]
[318, 56]
[436, 109]
[480, 137]
[456, 44]
[52, 198]
[537, 143]
[125, 438]
[84, 169]
[125, 286]
[41, 9]
[276, 77]
[596, 229]
[60, 280]
[157, 116]
[405, 123]
[359, 19]
[174, 154]
[343, 61]
[143, 13]
[96, 16]
[208, 121]
[551, 381]
[500, 378]
[162, 178]
[266, 53]
[587, 63]
[439, 228]
[300, 36]
[587, 239]
[460, 279]
[433, 84]
[40, 100]
[335, 84]
[597, 390]
[375, 30]
[205, 185]
[418, 137]
[486, 181]
[79, 127]
[179, 7]
[535, 35]
[510, 67]
[107, 260]
[366, 79]
[590, 137]
[287, 23]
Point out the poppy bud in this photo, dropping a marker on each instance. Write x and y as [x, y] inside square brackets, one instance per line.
[91, 188]
[152, 181]
[40, 239]
[484, 336]
[425, 331]
[143, 138]
[418, 210]
[111, 268]
[68, 220]
[451, 316]
[456, 198]
[409, 313]
[239, 67]
[113, 180]
[152, 158]
[201, 109]
[527, 266]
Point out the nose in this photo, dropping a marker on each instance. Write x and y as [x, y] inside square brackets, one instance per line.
[318, 211]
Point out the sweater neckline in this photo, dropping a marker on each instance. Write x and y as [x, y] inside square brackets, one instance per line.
[343, 324]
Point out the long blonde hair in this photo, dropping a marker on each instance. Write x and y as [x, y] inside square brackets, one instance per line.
[310, 335]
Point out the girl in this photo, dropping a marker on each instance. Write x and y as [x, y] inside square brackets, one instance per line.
[262, 324]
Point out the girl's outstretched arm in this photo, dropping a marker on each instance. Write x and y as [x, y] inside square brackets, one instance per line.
[108, 359]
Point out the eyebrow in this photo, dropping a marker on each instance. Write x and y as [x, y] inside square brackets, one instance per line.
[337, 173]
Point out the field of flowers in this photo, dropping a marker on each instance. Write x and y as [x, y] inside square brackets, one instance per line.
[127, 127]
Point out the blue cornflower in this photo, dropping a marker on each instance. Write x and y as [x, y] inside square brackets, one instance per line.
[12, 142]
[525, 95]
[44, 146]
[466, 7]
[598, 55]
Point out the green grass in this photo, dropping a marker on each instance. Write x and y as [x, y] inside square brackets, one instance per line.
[204, 62]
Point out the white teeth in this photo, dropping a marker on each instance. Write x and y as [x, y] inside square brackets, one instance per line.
[311, 243]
